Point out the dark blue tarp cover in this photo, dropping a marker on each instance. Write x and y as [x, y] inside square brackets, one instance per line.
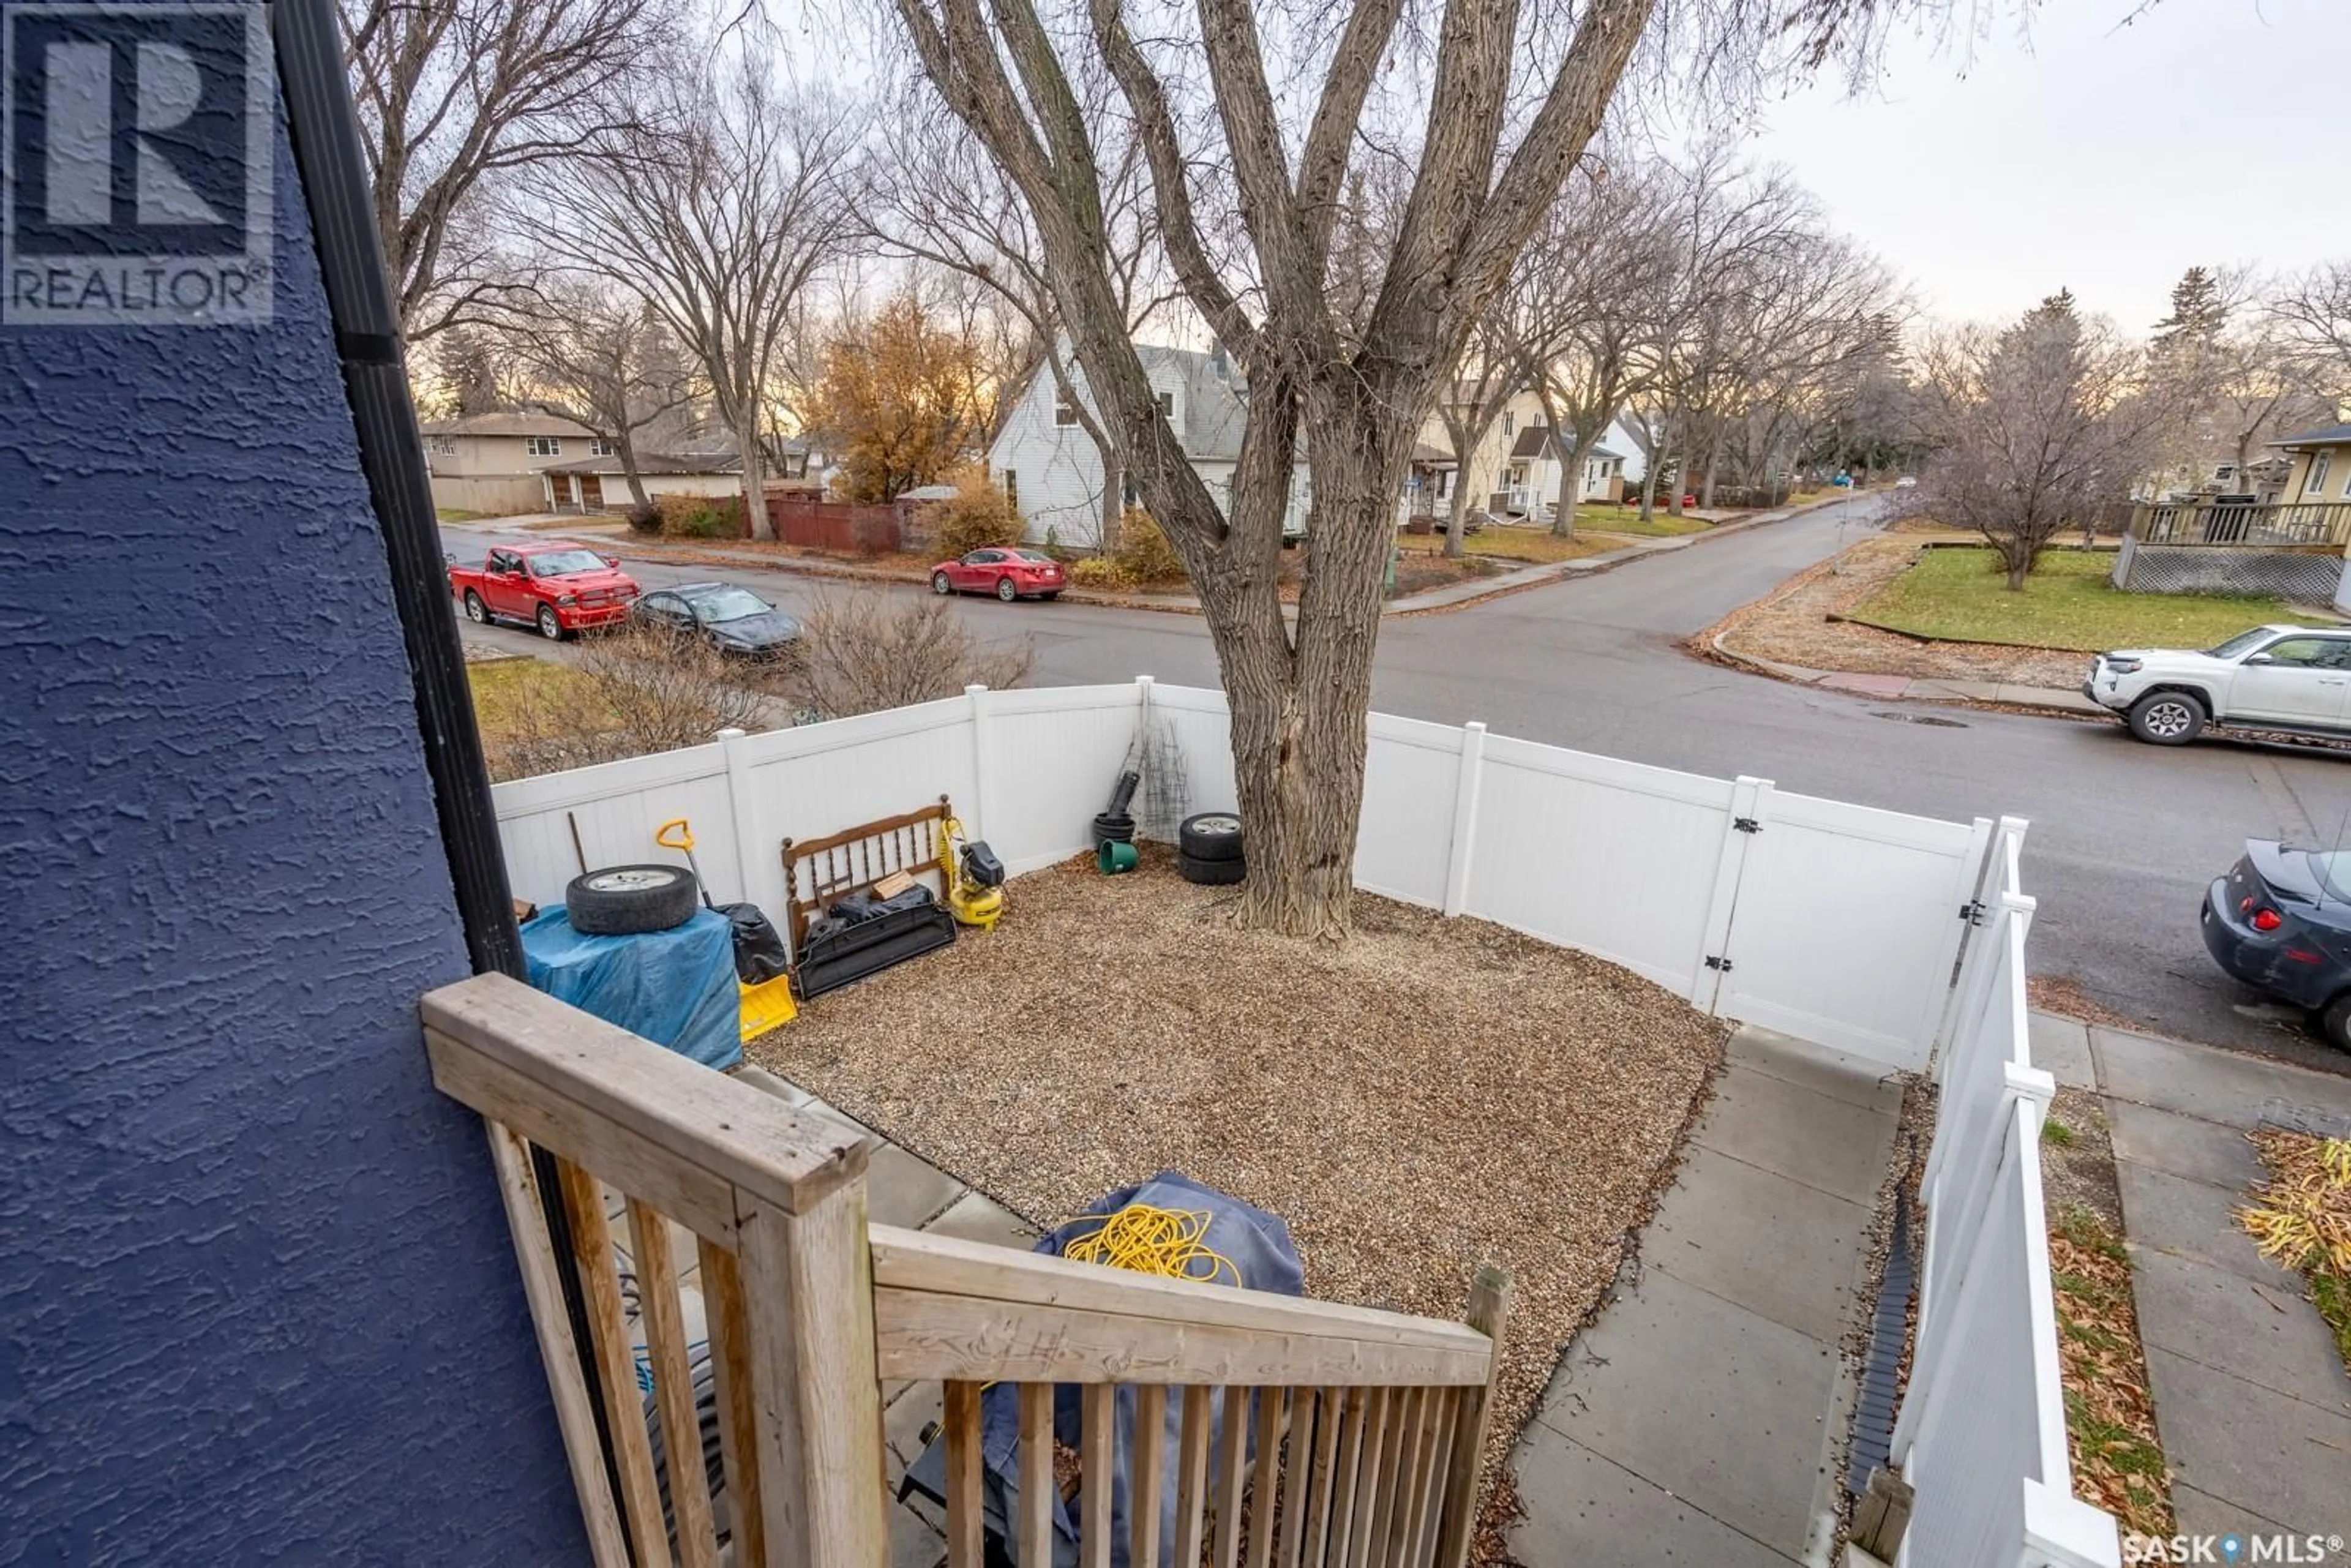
[677, 987]
[1258, 1244]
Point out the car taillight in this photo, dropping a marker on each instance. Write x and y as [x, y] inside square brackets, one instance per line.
[2267, 920]
[2303, 955]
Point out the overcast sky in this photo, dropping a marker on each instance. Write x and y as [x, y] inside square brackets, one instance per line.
[2103, 159]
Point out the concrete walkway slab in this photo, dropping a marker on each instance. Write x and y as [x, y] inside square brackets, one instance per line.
[2243, 1446]
[1593, 1510]
[976, 1216]
[1867, 685]
[2265, 1335]
[1781, 1248]
[1704, 1398]
[2220, 1085]
[1700, 1418]
[1829, 1071]
[2192, 1218]
[2183, 1146]
[2060, 1047]
[1799, 1133]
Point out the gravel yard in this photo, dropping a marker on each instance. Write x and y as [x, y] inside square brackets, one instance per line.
[1429, 1096]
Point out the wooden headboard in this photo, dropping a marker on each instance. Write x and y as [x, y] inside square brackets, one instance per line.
[821, 871]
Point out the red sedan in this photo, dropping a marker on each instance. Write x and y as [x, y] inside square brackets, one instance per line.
[1007, 572]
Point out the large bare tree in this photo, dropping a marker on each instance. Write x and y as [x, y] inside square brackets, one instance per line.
[601, 358]
[717, 204]
[1351, 392]
[456, 97]
[2038, 427]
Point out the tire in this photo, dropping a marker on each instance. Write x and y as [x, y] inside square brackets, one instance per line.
[476, 611]
[2168, 719]
[1210, 836]
[1211, 873]
[550, 626]
[1006, 590]
[1114, 828]
[942, 584]
[624, 900]
[2334, 1021]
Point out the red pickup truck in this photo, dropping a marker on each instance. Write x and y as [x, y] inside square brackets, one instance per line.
[558, 587]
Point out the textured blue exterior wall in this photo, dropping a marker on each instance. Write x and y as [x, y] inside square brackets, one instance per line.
[257, 1300]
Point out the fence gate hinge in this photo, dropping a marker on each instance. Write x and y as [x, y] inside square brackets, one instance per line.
[1972, 912]
[1716, 961]
[1746, 825]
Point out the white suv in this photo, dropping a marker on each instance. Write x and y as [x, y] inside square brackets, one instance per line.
[2295, 680]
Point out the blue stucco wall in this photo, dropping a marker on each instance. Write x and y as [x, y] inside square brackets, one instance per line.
[257, 1300]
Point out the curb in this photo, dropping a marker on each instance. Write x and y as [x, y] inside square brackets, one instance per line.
[1713, 651]
[1537, 575]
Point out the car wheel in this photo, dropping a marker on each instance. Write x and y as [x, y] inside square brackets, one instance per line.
[1210, 836]
[624, 900]
[942, 583]
[549, 626]
[2167, 718]
[1049, 598]
[1006, 590]
[476, 611]
[2334, 1022]
[1211, 873]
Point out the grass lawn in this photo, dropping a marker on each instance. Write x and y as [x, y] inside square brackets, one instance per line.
[456, 515]
[508, 692]
[1959, 595]
[1510, 544]
[1661, 524]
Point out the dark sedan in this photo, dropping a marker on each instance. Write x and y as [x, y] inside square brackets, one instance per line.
[2281, 921]
[735, 620]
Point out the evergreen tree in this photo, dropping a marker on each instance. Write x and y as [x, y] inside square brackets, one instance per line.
[2199, 311]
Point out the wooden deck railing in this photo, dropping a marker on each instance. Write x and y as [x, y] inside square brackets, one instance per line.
[1358, 1432]
[2245, 523]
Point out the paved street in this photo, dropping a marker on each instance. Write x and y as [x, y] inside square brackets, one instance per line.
[2124, 837]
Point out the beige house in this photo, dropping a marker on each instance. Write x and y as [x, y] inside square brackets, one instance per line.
[1519, 466]
[2321, 467]
[492, 463]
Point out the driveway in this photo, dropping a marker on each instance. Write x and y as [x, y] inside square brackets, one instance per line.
[2124, 837]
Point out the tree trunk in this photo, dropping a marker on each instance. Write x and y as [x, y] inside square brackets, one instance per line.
[1297, 699]
[1457, 530]
[1570, 486]
[625, 443]
[1649, 488]
[755, 485]
[1113, 501]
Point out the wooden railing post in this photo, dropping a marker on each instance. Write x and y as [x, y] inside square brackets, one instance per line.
[1489, 1311]
[809, 1281]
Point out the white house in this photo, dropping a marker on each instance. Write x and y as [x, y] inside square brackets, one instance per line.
[1050, 468]
[1518, 466]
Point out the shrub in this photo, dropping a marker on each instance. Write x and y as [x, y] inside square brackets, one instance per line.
[700, 517]
[1144, 554]
[644, 518]
[980, 515]
[1099, 571]
[630, 692]
[861, 651]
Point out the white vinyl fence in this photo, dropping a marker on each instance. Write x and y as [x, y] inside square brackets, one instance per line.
[1981, 1434]
[1835, 923]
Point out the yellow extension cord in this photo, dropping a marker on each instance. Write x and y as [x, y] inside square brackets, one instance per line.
[1148, 1240]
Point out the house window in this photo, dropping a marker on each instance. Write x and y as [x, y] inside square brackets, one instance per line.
[1064, 413]
[1444, 484]
[441, 445]
[542, 446]
[1011, 488]
[2319, 463]
[602, 448]
[1167, 404]
[1509, 423]
[1128, 496]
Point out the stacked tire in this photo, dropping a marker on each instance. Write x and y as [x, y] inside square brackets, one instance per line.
[629, 900]
[1209, 851]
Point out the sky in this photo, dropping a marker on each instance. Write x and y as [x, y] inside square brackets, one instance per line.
[2099, 157]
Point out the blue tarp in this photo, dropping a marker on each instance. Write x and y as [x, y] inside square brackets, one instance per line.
[1258, 1244]
[677, 987]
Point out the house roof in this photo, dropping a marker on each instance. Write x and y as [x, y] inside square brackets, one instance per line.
[1533, 441]
[2326, 435]
[506, 423]
[1606, 452]
[1428, 456]
[653, 462]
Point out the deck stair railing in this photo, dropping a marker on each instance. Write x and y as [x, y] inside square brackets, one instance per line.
[1356, 1437]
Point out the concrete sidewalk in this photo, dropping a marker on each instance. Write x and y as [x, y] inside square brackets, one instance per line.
[1701, 1418]
[2252, 1400]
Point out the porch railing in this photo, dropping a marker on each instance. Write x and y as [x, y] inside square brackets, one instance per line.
[1342, 1435]
[2246, 524]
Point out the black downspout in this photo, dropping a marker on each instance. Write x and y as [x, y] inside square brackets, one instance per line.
[324, 128]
